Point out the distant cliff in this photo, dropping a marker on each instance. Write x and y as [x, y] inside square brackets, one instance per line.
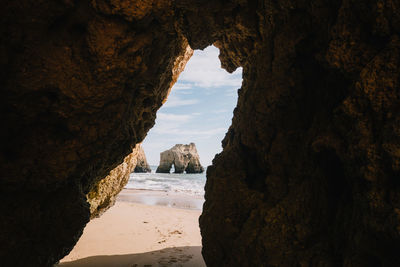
[183, 157]
[142, 165]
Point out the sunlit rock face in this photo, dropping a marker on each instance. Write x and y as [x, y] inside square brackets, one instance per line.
[183, 157]
[141, 165]
[103, 194]
[310, 167]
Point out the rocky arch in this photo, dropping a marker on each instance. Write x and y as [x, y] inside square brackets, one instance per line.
[182, 157]
[309, 171]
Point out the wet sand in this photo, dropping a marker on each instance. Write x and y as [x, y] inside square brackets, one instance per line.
[162, 198]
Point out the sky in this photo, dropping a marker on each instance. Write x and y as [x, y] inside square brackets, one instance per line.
[199, 109]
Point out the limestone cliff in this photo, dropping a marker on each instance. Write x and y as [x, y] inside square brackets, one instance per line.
[183, 157]
[141, 165]
[310, 167]
[103, 194]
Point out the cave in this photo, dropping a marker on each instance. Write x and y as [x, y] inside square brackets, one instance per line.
[310, 168]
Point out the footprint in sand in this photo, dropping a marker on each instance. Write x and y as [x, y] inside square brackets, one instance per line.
[179, 257]
[163, 262]
[185, 258]
[176, 232]
[172, 260]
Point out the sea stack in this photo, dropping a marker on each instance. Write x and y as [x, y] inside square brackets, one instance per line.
[184, 158]
[141, 165]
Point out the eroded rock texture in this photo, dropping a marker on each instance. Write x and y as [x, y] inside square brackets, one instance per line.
[103, 194]
[309, 174]
[141, 165]
[183, 157]
[81, 82]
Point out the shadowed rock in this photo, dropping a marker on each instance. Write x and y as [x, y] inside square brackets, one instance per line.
[310, 167]
[81, 83]
[183, 157]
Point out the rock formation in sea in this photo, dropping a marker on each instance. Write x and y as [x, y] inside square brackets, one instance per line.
[310, 167]
[141, 164]
[183, 157]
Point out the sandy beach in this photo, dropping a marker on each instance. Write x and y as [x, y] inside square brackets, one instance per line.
[134, 234]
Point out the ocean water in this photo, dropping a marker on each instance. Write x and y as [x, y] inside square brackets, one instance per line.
[191, 184]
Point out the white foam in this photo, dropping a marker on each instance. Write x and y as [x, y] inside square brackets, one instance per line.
[192, 184]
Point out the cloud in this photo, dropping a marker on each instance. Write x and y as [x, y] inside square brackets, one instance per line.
[231, 92]
[182, 86]
[167, 123]
[219, 111]
[175, 130]
[172, 117]
[206, 133]
[181, 126]
[204, 70]
[176, 101]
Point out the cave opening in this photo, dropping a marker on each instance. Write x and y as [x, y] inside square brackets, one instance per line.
[195, 117]
[309, 171]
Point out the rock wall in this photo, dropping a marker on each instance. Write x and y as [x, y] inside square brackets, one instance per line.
[141, 165]
[309, 173]
[103, 194]
[81, 83]
[183, 157]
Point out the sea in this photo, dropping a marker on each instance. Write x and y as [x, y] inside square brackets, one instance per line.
[190, 184]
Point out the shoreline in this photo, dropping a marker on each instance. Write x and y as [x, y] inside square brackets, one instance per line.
[136, 233]
[162, 198]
